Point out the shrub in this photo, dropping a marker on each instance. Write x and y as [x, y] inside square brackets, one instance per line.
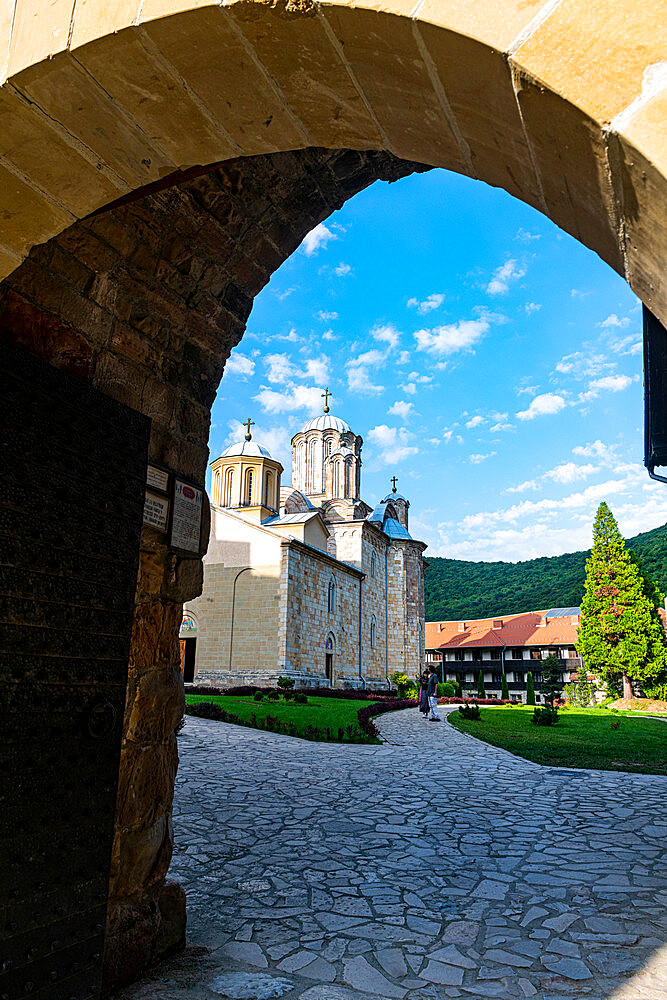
[289, 695]
[273, 695]
[286, 683]
[657, 691]
[505, 693]
[470, 712]
[446, 690]
[258, 696]
[481, 690]
[300, 699]
[545, 716]
[530, 689]
[458, 688]
[403, 684]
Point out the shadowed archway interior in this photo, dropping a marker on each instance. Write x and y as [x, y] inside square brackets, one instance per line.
[144, 290]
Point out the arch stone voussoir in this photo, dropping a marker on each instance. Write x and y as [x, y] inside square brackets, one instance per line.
[548, 100]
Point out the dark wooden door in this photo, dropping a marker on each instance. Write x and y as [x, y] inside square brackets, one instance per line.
[72, 475]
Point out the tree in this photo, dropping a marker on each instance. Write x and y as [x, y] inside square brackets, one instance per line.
[481, 690]
[530, 689]
[620, 633]
[459, 687]
[552, 679]
[505, 694]
[583, 689]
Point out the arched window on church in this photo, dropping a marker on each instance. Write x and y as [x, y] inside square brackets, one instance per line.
[374, 631]
[249, 479]
[349, 487]
[329, 657]
[311, 467]
[228, 499]
[331, 599]
[268, 492]
[373, 564]
[329, 446]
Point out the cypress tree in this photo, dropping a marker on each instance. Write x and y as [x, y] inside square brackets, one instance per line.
[530, 689]
[506, 691]
[620, 634]
[583, 689]
[481, 690]
[459, 687]
[552, 679]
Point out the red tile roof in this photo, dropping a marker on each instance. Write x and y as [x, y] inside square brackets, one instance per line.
[527, 629]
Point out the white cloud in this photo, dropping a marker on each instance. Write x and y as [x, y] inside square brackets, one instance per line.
[570, 472]
[583, 365]
[447, 435]
[279, 368]
[239, 364]
[329, 335]
[528, 390]
[475, 421]
[614, 321]
[430, 303]
[326, 317]
[501, 426]
[543, 405]
[391, 443]
[342, 269]
[476, 459]
[525, 237]
[294, 397]
[276, 440]
[316, 239]
[386, 333]
[626, 345]
[529, 484]
[610, 383]
[454, 337]
[503, 276]
[359, 371]
[283, 295]
[532, 307]
[401, 408]
[410, 388]
[596, 449]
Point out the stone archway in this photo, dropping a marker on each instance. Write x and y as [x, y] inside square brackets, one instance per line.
[561, 103]
[149, 192]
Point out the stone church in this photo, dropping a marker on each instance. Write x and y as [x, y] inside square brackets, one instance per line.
[305, 581]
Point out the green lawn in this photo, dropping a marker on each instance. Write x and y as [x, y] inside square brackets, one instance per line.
[319, 714]
[581, 738]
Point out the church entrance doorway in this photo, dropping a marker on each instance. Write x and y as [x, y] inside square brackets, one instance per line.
[329, 659]
[188, 655]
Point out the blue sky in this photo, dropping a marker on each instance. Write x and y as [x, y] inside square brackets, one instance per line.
[488, 360]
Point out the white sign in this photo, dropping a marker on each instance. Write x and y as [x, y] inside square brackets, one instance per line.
[186, 520]
[157, 478]
[156, 511]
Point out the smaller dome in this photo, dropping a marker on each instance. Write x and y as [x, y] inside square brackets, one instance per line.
[394, 496]
[326, 422]
[344, 451]
[249, 448]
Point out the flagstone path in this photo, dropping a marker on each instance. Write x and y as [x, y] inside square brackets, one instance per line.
[431, 867]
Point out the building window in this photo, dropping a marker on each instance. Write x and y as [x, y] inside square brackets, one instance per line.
[249, 479]
[373, 565]
[331, 601]
[329, 658]
[373, 632]
[268, 498]
[229, 487]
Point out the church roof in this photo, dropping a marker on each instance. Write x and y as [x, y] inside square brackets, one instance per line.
[390, 526]
[395, 496]
[344, 451]
[299, 518]
[326, 422]
[249, 448]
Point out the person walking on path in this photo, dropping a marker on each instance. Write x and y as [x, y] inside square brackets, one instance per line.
[423, 696]
[432, 692]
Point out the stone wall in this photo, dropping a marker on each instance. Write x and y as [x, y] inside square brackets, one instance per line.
[146, 301]
[309, 622]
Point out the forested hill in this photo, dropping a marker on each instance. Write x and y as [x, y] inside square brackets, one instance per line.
[456, 589]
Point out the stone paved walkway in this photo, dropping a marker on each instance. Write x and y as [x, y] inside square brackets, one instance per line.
[431, 867]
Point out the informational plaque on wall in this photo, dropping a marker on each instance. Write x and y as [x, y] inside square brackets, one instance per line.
[157, 478]
[156, 511]
[186, 516]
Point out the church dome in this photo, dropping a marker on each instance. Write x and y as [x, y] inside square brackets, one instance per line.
[249, 448]
[394, 496]
[326, 422]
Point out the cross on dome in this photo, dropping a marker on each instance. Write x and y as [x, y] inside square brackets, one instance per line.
[325, 397]
[249, 423]
[393, 482]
